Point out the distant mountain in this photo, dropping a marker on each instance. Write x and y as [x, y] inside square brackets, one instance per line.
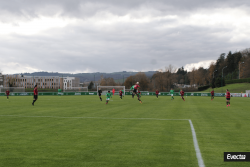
[87, 77]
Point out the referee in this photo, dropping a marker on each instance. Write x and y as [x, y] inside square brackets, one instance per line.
[100, 93]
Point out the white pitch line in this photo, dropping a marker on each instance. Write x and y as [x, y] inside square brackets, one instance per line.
[92, 118]
[196, 146]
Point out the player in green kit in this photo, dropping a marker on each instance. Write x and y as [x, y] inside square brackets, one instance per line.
[172, 93]
[122, 93]
[132, 88]
[109, 95]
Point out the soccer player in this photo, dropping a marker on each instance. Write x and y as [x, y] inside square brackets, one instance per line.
[228, 98]
[100, 93]
[182, 94]
[212, 95]
[113, 91]
[35, 95]
[172, 93]
[7, 93]
[132, 88]
[156, 93]
[120, 92]
[136, 86]
[139, 95]
[108, 96]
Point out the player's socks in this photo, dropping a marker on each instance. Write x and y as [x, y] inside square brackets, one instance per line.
[33, 102]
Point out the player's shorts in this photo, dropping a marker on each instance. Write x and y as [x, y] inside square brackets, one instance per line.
[172, 94]
[107, 99]
[212, 95]
[135, 91]
[35, 96]
[228, 98]
[100, 94]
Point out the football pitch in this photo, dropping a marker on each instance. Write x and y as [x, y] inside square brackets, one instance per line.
[83, 131]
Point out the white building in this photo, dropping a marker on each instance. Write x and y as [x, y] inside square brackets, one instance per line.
[69, 82]
[1, 80]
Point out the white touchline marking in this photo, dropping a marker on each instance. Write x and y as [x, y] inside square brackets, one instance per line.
[196, 146]
[90, 117]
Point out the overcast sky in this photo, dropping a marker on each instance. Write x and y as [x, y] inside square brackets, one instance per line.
[78, 36]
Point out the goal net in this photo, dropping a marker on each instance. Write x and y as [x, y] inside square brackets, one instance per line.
[76, 89]
[105, 89]
[12, 89]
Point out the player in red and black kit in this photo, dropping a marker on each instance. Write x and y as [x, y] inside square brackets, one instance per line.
[120, 93]
[139, 95]
[228, 97]
[212, 95]
[182, 94]
[136, 86]
[35, 95]
[7, 92]
[157, 92]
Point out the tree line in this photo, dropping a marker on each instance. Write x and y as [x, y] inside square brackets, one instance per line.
[227, 67]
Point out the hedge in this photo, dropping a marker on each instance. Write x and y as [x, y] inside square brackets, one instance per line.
[238, 81]
[203, 87]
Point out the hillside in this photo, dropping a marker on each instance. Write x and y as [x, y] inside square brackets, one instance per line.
[86, 77]
[233, 88]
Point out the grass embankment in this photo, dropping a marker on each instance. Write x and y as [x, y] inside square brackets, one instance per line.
[233, 88]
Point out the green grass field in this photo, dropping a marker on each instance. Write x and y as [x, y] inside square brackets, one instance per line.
[83, 131]
[233, 88]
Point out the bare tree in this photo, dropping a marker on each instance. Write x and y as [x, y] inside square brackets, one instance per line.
[191, 76]
[10, 81]
[130, 81]
[107, 81]
[159, 80]
[244, 68]
[143, 80]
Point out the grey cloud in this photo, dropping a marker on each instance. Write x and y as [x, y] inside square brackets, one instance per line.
[86, 48]
[120, 47]
[27, 9]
